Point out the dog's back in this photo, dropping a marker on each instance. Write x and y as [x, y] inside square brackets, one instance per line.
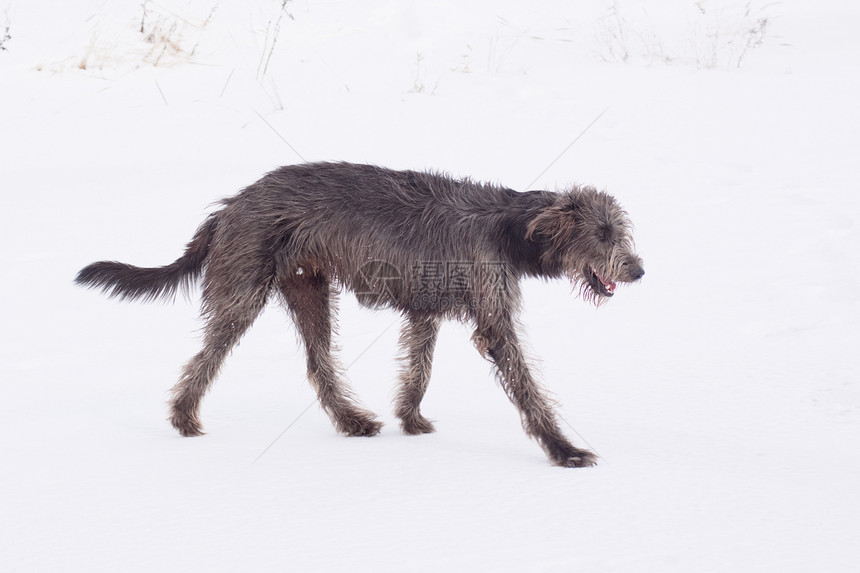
[340, 210]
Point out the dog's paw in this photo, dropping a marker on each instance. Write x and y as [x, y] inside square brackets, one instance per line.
[417, 424]
[361, 427]
[187, 427]
[568, 456]
[583, 459]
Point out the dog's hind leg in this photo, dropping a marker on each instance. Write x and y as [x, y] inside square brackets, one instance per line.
[417, 340]
[228, 318]
[308, 296]
[496, 339]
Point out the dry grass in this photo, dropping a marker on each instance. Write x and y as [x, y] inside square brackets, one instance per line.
[706, 35]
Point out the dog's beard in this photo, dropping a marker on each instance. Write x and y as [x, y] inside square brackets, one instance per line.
[590, 289]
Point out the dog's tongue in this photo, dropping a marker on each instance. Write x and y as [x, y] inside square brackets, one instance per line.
[610, 286]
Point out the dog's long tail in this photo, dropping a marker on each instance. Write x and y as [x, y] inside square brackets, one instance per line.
[128, 282]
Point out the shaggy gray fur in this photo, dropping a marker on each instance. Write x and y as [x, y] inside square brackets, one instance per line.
[424, 244]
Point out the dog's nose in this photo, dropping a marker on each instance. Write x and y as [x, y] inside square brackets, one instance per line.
[637, 272]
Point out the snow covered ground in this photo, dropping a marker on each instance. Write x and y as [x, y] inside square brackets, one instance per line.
[722, 393]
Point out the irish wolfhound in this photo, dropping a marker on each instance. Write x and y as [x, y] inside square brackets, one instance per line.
[427, 245]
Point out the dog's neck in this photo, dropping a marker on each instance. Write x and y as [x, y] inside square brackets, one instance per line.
[526, 254]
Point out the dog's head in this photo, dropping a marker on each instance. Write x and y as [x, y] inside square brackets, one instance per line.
[586, 235]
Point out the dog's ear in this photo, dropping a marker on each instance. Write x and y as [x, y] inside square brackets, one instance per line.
[554, 223]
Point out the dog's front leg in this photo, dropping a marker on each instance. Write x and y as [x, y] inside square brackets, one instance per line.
[496, 339]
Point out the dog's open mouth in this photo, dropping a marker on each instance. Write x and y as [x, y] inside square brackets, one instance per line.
[600, 284]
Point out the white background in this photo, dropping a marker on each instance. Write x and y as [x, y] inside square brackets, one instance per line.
[721, 393]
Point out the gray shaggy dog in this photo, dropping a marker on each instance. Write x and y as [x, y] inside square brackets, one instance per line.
[424, 244]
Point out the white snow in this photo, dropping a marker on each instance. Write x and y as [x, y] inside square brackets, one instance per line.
[722, 393]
